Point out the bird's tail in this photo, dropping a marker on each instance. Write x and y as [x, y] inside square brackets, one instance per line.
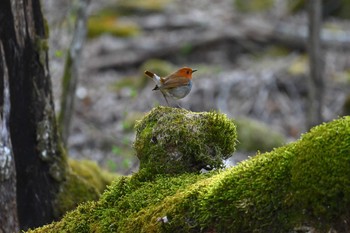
[153, 76]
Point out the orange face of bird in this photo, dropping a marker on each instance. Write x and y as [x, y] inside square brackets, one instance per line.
[185, 72]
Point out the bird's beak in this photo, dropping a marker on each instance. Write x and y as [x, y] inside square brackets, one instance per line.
[193, 71]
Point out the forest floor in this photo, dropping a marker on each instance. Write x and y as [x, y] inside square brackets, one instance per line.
[246, 67]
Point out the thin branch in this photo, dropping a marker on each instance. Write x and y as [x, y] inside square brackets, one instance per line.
[316, 79]
[70, 78]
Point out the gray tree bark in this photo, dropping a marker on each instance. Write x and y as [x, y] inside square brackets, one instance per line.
[40, 164]
[316, 84]
[8, 204]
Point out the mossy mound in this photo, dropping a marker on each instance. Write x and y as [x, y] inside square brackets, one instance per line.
[171, 140]
[306, 183]
[92, 173]
[256, 136]
[84, 181]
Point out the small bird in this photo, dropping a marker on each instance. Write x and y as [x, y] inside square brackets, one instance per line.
[176, 85]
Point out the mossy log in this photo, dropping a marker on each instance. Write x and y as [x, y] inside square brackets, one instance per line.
[305, 183]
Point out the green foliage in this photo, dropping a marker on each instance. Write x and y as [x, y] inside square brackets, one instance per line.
[305, 183]
[171, 140]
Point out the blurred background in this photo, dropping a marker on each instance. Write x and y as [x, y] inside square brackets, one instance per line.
[251, 57]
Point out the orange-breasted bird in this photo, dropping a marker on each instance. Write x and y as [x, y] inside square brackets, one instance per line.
[176, 85]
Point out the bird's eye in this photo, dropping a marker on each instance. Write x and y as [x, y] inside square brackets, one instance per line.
[188, 72]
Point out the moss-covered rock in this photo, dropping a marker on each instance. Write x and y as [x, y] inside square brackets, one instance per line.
[84, 181]
[92, 173]
[172, 140]
[256, 136]
[306, 183]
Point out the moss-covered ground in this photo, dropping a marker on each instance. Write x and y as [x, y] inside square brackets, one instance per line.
[305, 183]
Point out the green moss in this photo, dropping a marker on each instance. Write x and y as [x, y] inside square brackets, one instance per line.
[42, 47]
[99, 25]
[84, 181]
[256, 136]
[171, 140]
[135, 6]
[253, 5]
[74, 190]
[123, 199]
[306, 183]
[321, 175]
[92, 173]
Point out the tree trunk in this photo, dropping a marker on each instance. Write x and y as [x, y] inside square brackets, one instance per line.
[316, 79]
[8, 206]
[40, 164]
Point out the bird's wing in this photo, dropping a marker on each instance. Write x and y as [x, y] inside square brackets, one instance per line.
[175, 82]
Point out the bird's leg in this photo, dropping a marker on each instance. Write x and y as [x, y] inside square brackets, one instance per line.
[165, 99]
[178, 105]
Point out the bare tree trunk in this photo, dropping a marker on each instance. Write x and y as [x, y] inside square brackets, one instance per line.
[70, 77]
[40, 164]
[316, 79]
[8, 205]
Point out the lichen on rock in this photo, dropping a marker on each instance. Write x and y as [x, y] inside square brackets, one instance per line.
[171, 140]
